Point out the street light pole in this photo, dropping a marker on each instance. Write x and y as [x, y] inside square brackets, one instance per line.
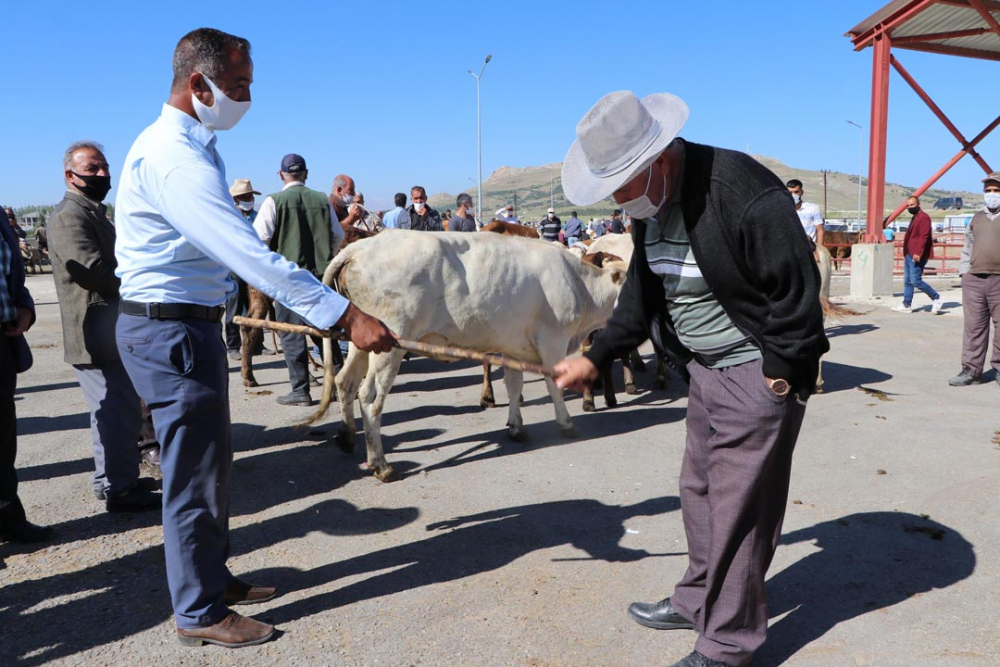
[861, 164]
[479, 140]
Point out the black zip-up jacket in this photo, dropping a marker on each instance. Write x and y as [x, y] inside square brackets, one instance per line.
[755, 257]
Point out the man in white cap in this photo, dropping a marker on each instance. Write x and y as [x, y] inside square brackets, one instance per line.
[723, 281]
[242, 193]
[980, 272]
[550, 226]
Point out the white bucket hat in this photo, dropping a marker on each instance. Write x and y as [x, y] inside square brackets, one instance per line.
[618, 138]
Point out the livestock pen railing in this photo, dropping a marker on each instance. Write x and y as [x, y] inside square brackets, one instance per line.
[944, 259]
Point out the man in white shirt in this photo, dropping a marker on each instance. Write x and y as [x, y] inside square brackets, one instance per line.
[506, 214]
[809, 214]
[178, 238]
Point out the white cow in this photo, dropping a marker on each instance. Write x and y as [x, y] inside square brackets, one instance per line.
[523, 298]
[619, 245]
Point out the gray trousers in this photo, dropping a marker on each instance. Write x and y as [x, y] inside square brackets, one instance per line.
[733, 489]
[980, 304]
[115, 425]
[294, 347]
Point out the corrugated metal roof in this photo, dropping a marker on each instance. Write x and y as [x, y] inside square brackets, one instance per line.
[906, 18]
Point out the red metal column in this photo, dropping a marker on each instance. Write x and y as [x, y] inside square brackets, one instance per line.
[881, 63]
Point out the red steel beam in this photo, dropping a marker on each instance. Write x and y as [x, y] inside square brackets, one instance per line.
[943, 170]
[953, 51]
[881, 57]
[868, 37]
[936, 110]
[985, 13]
[990, 4]
[954, 34]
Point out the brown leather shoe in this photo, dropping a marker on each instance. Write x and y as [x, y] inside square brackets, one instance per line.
[240, 592]
[234, 631]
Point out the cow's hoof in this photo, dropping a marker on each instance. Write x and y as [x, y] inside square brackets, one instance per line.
[345, 442]
[520, 399]
[631, 390]
[588, 406]
[385, 474]
[517, 434]
[570, 432]
[819, 389]
[487, 403]
[249, 382]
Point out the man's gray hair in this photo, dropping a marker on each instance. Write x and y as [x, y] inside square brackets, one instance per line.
[464, 198]
[204, 50]
[340, 182]
[78, 145]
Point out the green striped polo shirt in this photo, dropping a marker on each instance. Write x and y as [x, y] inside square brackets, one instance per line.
[699, 320]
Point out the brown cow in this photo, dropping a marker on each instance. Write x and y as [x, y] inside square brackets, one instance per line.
[509, 228]
[31, 256]
[261, 306]
[835, 243]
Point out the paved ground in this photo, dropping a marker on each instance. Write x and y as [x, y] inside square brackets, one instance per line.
[494, 553]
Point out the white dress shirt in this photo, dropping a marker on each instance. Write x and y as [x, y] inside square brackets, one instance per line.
[502, 215]
[179, 234]
[811, 217]
[267, 218]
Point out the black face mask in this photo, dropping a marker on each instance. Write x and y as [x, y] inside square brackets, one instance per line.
[94, 187]
[913, 210]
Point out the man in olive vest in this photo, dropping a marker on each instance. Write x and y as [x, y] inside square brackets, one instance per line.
[298, 223]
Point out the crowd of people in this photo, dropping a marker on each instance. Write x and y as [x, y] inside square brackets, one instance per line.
[722, 280]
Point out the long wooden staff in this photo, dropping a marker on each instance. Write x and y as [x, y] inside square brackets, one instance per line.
[408, 345]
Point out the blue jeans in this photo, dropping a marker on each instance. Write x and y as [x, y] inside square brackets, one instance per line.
[179, 368]
[913, 277]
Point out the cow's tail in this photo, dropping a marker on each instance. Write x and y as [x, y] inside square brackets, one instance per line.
[836, 312]
[331, 278]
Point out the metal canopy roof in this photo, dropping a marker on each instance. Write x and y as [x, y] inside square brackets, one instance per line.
[968, 28]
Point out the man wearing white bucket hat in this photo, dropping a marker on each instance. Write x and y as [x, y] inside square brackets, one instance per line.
[723, 281]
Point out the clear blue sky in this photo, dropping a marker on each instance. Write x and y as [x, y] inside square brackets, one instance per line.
[380, 90]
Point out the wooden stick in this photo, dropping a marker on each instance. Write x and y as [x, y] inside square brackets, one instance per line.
[409, 345]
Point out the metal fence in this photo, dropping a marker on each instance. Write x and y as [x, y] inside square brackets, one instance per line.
[945, 258]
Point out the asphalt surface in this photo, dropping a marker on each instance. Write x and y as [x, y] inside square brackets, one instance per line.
[489, 552]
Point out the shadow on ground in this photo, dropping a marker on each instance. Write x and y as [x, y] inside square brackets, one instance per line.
[850, 330]
[45, 387]
[49, 618]
[470, 545]
[868, 561]
[33, 425]
[840, 377]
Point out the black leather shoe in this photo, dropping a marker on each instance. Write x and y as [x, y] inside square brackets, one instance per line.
[147, 483]
[135, 499]
[295, 398]
[25, 531]
[698, 660]
[660, 616]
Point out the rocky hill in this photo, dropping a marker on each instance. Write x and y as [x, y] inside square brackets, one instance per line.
[535, 187]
